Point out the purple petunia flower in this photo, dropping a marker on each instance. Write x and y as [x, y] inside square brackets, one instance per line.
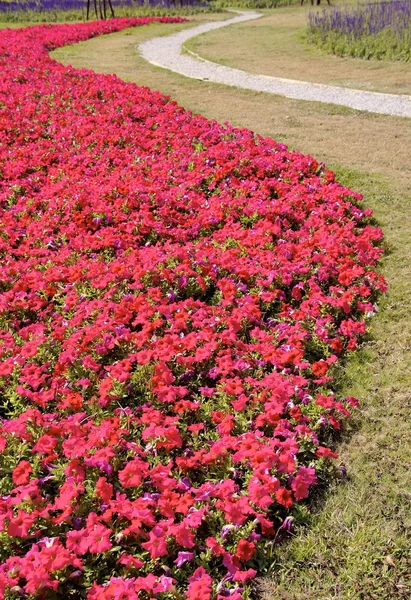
[183, 557]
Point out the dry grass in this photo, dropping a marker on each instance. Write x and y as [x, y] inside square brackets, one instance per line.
[275, 45]
[356, 546]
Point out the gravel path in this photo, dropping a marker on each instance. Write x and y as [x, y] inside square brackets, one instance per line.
[166, 52]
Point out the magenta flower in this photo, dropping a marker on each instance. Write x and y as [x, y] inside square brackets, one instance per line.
[183, 557]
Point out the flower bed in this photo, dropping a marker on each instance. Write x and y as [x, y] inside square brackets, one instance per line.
[174, 294]
[380, 30]
[76, 10]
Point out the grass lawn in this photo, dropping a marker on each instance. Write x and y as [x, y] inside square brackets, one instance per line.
[275, 45]
[356, 545]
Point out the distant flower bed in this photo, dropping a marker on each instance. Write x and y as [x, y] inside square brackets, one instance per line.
[44, 5]
[75, 10]
[379, 30]
[174, 294]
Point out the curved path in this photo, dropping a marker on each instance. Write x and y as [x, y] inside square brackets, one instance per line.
[166, 52]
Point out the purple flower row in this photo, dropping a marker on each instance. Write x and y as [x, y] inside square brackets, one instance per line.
[363, 20]
[66, 5]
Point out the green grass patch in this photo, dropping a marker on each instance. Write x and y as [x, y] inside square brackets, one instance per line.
[355, 544]
[250, 4]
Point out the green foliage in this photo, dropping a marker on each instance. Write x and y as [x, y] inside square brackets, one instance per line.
[384, 45]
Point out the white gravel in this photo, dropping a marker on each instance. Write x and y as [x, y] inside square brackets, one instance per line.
[166, 52]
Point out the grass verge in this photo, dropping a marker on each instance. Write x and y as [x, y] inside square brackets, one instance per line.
[356, 545]
[358, 536]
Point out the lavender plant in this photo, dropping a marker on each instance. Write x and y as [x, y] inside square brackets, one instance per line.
[380, 30]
